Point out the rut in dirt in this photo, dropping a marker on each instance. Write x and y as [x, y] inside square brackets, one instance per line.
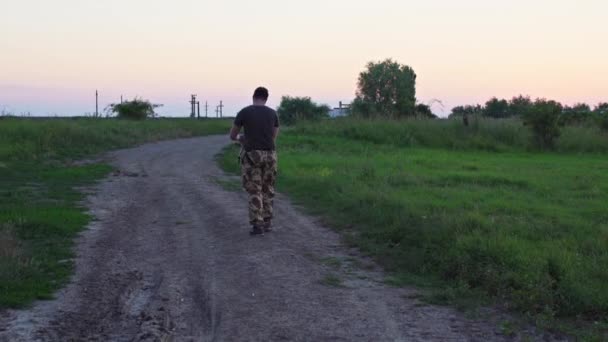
[169, 258]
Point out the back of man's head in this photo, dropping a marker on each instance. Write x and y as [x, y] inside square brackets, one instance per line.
[260, 94]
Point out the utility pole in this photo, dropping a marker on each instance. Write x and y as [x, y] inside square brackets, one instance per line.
[221, 107]
[96, 103]
[120, 98]
[198, 110]
[193, 106]
[206, 108]
[217, 111]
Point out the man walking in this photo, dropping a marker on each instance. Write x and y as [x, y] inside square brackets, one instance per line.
[258, 158]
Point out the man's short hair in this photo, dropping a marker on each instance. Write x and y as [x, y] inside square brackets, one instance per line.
[261, 93]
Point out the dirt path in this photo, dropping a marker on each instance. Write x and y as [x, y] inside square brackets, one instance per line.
[169, 259]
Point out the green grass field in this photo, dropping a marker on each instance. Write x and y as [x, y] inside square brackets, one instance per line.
[436, 205]
[40, 211]
[471, 212]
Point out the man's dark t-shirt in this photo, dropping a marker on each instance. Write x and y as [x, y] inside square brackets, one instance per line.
[258, 123]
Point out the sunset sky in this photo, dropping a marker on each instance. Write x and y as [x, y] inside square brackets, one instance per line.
[55, 54]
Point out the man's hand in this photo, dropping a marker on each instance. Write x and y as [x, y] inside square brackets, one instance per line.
[240, 139]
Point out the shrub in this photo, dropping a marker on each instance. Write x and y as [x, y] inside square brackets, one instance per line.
[293, 109]
[543, 117]
[137, 109]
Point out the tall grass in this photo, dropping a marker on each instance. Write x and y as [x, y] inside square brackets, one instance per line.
[482, 134]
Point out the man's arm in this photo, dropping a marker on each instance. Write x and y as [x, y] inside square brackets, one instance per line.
[275, 130]
[275, 133]
[234, 133]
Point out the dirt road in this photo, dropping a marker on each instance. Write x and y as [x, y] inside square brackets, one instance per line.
[169, 258]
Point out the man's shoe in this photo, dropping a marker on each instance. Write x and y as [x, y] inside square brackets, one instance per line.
[267, 225]
[255, 230]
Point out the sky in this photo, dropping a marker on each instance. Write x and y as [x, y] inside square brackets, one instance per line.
[55, 54]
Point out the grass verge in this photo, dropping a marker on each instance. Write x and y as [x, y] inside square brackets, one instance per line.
[528, 230]
[40, 210]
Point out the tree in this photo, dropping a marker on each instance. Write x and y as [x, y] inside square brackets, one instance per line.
[601, 110]
[575, 115]
[293, 109]
[424, 111]
[543, 118]
[386, 89]
[136, 109]
[496, 108]
[519, 105]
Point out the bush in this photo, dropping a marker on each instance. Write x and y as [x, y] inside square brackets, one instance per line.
[137, 109]
[543, 118]
[294, 109]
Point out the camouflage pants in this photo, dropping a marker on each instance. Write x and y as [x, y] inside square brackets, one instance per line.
[259, 170]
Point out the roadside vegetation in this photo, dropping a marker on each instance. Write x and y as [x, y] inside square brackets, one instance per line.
[470, 212]
[40, 209]
[503, 202]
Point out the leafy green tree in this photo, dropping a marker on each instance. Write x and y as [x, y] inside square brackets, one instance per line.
[576, 115]
[424, 111]
[496, 108]
[136, 109]
[543, 118]
[601, 110]
[386, 89]
[519, 105]
[293, 109]
[581, 108]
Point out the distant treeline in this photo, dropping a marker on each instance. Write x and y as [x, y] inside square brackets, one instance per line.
[521, 105]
